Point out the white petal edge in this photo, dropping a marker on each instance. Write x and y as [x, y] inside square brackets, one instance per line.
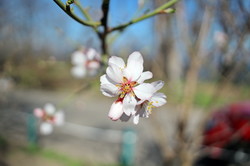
[158, 99]
[114, 60]
[134, 66]
[145, 76]
[109, 90]
[115, 74]
[105, 80]
[158, 84]
[144, 91]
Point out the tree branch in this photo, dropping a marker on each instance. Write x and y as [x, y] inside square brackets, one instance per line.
[159, 10]
[104, 22]
[84, 11]
[75, 17]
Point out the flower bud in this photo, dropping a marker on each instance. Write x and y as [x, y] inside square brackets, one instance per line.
[116, 111]
[38, 112]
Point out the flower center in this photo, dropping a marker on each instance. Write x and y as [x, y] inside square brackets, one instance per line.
[126, 87]
[47, 117]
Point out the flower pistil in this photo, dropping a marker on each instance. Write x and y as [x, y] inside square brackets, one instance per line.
[126, 87]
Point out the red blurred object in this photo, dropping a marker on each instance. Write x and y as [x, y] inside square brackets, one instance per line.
[228, 124]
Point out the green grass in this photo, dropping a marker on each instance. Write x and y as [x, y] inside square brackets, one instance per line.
[3, 143]
[60, 158]
[205, 96]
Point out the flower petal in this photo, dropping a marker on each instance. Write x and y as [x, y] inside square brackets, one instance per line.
[59, 118]
[109, 90]
[38, 112]
[136, 119]
[78, 71]
[91, 53]
[93, 65]
[114, 60]
[129, 103]
[140, 112]
[78, 58]
[158, 85]
[158, 99]
[115, 73]
[105, 80]
[49, 109]
[116, 111]
[144, 91]
[134, 66]
[145, 76]
[46, 128]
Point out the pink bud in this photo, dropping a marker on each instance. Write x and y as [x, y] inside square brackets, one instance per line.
[115, 111]
[93, 65]
[38, 112]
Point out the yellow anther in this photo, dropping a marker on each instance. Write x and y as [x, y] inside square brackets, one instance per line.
[118, 85]
[126, 87]
[125, 79]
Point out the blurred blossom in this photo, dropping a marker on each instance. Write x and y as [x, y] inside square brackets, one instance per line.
[141, 3]
[49, 117]
[220, 38]
[85, 63]
[127, 82]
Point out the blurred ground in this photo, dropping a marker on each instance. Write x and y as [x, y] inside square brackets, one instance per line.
[88, 136]
[18, 157]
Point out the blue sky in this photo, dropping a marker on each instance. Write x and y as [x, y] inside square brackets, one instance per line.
[139, 35]
[51, 26]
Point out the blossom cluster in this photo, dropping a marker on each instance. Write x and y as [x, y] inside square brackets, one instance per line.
[135, 97]
[85, 63]
[49, 117]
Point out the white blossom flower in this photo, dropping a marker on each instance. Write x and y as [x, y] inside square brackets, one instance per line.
[49, 116]
[220, 38]
[46, 128]
[144, 108]
[141, 3]
[85, 63]
[126, 82]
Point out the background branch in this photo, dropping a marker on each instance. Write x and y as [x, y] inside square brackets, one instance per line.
[75, 17]
[84, 11]
[159, 10]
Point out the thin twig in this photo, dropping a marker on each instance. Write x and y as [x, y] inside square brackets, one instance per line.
[75, 17]
[159, 10]
[84, 11]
